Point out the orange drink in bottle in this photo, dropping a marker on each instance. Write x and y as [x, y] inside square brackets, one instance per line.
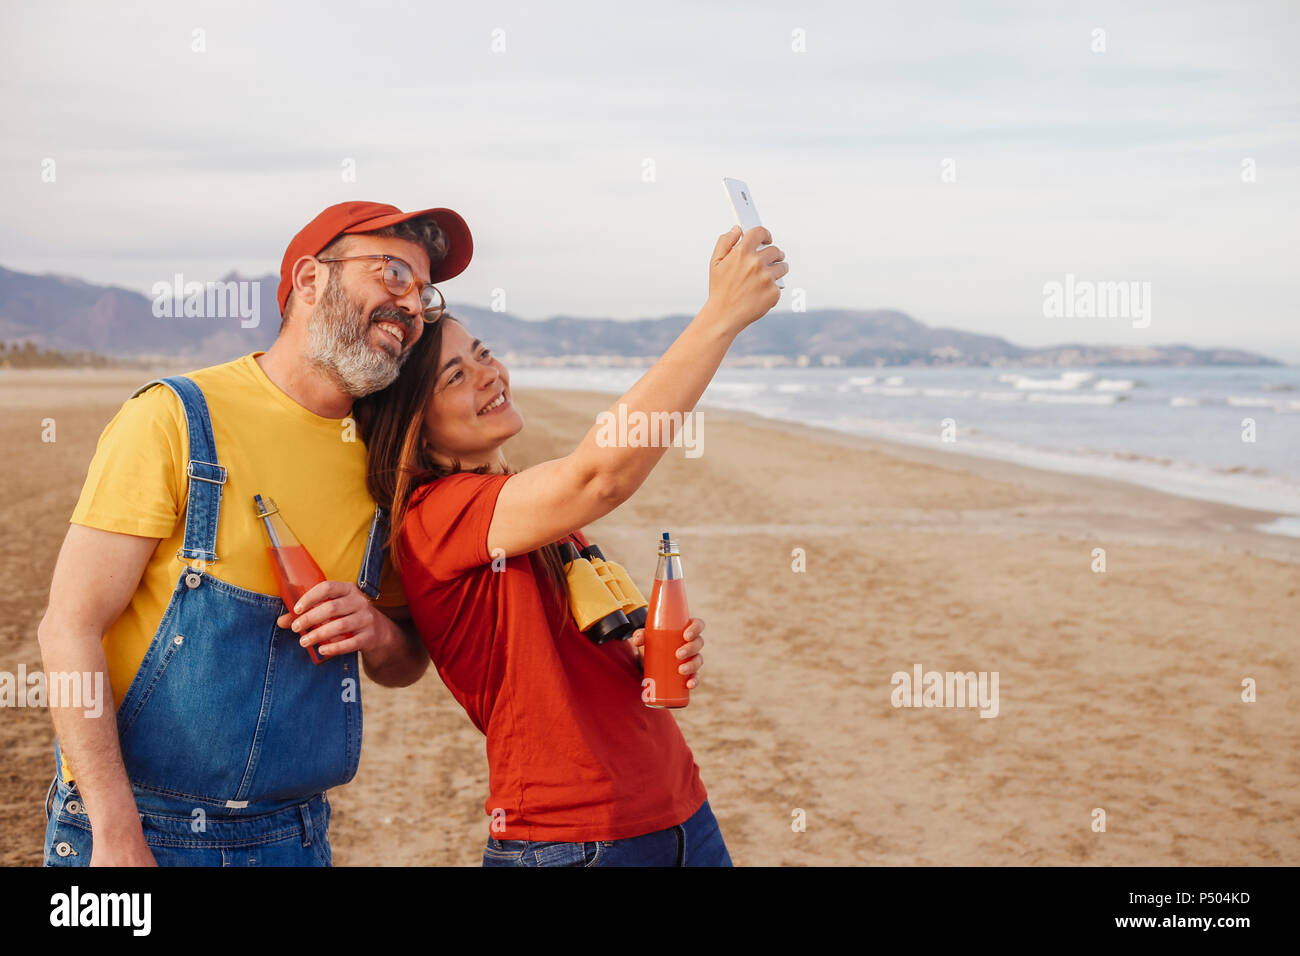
[665, 627]
[296, 571]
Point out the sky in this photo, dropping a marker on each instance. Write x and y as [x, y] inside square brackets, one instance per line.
[945, 159]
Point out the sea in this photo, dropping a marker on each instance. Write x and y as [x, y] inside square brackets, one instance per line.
[1219, 433]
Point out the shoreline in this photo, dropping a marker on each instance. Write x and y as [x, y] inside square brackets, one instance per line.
[108, 383]
[1237, 525]
[1266, 484]
[1244, 524]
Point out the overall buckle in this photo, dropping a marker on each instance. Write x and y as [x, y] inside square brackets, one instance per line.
[210, 468]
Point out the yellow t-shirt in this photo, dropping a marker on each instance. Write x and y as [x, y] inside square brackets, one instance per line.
[313, 467]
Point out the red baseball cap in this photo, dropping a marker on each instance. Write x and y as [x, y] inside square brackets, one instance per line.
[351, 218]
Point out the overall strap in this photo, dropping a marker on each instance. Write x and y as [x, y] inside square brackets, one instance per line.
[372, 564]
[206, 476]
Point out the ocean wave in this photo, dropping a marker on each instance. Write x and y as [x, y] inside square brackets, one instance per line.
[739, 388]
[1137, 456]
[934, 392]
[1243, 470]
[1103, 398]
[1250, 401]
[1002, 396]
[1067, 381]
[1284, 407]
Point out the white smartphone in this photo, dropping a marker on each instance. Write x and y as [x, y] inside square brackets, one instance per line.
[742, 204]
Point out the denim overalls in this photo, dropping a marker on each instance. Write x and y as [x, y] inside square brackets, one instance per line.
[230, 734]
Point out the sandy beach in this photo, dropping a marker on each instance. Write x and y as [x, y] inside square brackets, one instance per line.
[1118, 689]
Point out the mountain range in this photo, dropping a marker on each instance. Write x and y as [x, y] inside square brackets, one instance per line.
[69, 314]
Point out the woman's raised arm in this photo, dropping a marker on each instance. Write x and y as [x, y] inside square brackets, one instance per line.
[543, 503]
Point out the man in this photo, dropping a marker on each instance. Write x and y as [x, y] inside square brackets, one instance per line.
[221, 737]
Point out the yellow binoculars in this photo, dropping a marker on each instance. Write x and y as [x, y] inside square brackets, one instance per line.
[604, 602]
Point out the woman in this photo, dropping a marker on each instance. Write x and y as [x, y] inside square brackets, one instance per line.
[581, 772]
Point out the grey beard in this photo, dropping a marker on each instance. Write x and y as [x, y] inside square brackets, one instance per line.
[336, 343]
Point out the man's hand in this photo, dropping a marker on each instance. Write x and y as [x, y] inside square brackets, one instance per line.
[126, 851]
[391, 651]
[331, 610]
[689, 653]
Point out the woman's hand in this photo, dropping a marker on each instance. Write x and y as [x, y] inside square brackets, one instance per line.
[338, 619]
[689, 653]
[742, 277]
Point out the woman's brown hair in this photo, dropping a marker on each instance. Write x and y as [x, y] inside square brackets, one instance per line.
[399, 461]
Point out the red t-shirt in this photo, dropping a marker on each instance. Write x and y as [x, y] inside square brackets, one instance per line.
[573, 754]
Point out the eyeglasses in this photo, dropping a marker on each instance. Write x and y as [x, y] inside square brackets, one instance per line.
[399, 279]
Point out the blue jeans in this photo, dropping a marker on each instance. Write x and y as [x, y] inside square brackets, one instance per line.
[295, 836]
[697, 842]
